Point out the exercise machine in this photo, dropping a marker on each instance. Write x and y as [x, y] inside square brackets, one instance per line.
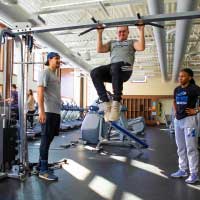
[135, 125]
[169, 122]
[70, 116]
[95, 130]
[14, 162]
[13, 154]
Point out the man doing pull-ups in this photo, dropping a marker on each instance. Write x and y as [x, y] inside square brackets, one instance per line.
[122, 54]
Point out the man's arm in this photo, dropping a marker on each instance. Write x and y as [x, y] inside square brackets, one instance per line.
[101, 48]
[174, 106]
[174, 103]
[40, 97]
[139, 45]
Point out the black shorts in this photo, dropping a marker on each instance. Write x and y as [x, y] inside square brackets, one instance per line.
[52, 125]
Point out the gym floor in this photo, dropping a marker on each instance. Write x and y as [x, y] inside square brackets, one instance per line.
[116, 174]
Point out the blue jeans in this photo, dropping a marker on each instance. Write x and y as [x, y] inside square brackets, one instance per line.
[49, 129]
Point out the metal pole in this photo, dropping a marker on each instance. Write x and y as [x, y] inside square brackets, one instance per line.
[183, 30]
[157, 6]
[25, 78]
[26, 63]
[23, 137]
[10, 67]
[126, 132]
[4, 80]
[112, 23]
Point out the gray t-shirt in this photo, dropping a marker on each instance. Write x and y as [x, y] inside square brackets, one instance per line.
[52, 97]
[122, 51]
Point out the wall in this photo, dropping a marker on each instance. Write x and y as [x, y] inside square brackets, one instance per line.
[31, 84]
[85, 92]
[91, 92]
[153, 86]
[166, 108]
[77, 87]
[67, 83]
[71, 86]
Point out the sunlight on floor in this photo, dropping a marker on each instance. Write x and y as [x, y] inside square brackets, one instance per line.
[197, 187]
[36, 144]
[75, 169]
[150, 149]
[129, 196]
[103, 187]
[119, 158]
[148, 167]
[89, 148]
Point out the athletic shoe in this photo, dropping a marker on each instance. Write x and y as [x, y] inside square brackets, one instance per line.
[115, 111]
[193, 178]
[49, 176]
[179, 174]
[106, 108]
[36, 170]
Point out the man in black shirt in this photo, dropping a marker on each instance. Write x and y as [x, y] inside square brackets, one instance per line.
[185, 100]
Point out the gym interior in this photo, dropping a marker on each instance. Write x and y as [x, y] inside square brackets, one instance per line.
[151, 151]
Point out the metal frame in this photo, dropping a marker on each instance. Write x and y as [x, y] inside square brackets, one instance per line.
[125, 138]
[111, 23]
[23, 154]
[28, 63]
[4, 79]
[126, 132]
[130, 141]
[20, 171]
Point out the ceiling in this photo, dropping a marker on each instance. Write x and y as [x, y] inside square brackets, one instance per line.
[59, 12]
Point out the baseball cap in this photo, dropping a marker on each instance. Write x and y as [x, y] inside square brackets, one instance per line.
[51, 55]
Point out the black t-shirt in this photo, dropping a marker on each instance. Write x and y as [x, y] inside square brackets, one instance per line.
[185, 98]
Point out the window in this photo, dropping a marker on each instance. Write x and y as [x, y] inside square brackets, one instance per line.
[37, 68]
[16, 57]
[91, 92]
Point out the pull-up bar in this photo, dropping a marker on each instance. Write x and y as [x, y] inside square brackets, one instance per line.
[103, 26]
[113, 23]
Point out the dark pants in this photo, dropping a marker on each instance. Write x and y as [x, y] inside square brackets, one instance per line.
[111, 73]
[30, 118]
[49, 129]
